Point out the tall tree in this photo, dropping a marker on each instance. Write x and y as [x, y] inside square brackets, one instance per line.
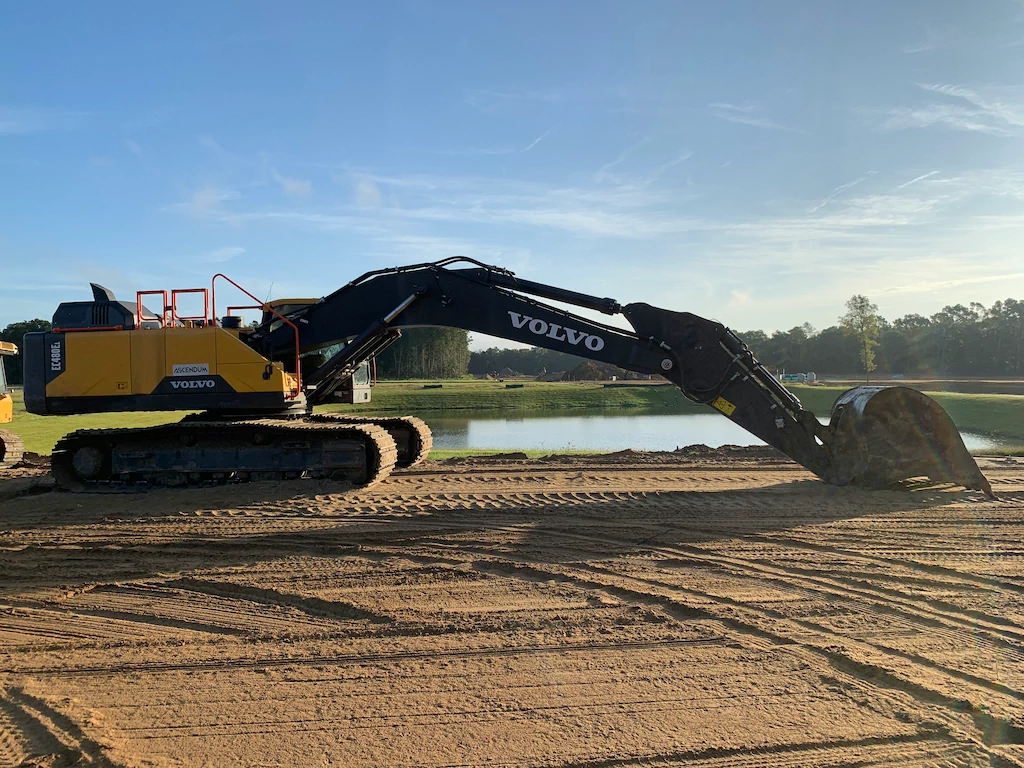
[15, 332]
[426, 353]
[862, 322]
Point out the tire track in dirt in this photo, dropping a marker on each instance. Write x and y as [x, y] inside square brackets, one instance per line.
[938, 570]
[116, 668]
[993, 630]
[994, 730]
[312, 606]
[544, 574]
[915, 749]
[34, 733]
[605, 544]
[913, 614]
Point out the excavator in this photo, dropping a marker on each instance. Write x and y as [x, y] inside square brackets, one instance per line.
[10, 443]
[252, 390]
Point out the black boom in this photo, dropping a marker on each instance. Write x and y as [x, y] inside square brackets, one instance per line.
[706, 360]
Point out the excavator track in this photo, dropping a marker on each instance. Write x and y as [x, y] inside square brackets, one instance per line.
[203, 453]
[411, 435]
[11, 449]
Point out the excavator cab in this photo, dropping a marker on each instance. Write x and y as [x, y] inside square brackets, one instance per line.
[10, 444]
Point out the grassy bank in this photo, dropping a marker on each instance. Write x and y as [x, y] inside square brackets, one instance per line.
[1000, 416]
[40, 433]
[411, 397]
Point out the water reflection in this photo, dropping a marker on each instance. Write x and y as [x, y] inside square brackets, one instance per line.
[600, 430]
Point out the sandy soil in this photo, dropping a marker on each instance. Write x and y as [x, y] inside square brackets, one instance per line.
[636, 610]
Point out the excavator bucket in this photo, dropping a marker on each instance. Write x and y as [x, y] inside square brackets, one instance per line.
[882, 435]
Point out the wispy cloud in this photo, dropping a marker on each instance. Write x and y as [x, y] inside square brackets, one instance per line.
[220, 255]
[209, 143]
[747, 114]
[929, 286]
[914, 180]
[205, 202]
[929, 230]
[495, 100]
[15, 120]
[133, 147]
[605, 175]
[506, 149]
[661, 170]
[535, 142]
[293, 187]
[738, 298]
[889, 220]
[992, 101]
[603, 171]
[934, 40]
[837, 192]
[997, 111]
[952, 116]
[365, 192]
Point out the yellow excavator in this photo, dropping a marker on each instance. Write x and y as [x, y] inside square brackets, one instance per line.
[10, 443]
[255, 387]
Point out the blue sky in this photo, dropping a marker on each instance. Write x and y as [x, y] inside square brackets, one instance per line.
[753, 162]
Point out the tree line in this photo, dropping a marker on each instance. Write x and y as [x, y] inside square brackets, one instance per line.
[530, 362]
[971, 340]
[426, 353]
[14, 333]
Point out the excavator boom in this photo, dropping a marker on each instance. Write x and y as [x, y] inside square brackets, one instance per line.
[866, 444]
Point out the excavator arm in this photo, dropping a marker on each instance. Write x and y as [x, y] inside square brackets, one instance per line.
[707, 361]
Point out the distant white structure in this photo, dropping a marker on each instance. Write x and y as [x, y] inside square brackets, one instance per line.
[798, 378]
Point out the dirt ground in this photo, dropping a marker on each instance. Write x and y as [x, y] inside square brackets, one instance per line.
[708, 608]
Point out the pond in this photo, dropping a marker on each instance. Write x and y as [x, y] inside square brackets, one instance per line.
[588, 430]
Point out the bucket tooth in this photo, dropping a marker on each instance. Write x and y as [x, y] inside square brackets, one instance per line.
[882, 435]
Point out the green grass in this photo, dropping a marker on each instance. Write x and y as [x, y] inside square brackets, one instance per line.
[1000, 416]
[41, 433]
[451, 453]
[411, 397]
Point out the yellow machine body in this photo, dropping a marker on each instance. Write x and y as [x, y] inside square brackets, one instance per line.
[10, 443]
[173, 368]
[6, 401]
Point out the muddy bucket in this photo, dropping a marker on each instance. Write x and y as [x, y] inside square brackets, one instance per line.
[882, 435]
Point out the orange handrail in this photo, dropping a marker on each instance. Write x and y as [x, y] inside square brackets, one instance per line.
[174, 304]
[261, 307]
[138, 306]
[278, 315]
